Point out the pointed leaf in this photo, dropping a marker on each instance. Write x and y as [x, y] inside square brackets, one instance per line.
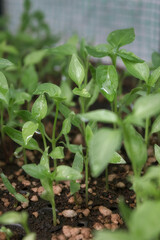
[12, 217]
[119, 38]
[135, 148]
[30, 79]
[39, 108]
[147, 106]
[76, 70]
[117, 159]
[36, 171]
[65, 49]
[51, 89]
[81, 92]
[28, 130]
[101, 50]
[3, 84]
[57, 153]
[107, 80]
[4, 63]
[155, 75]
[157, 152]
[78, 162]
[102, 147]
[138, 70]
[129, 56]
[156, 125]
[64, 173]
[74, 187]
[35, 57]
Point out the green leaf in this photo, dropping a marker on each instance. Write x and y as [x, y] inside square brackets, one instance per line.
[74, 187]
[143, 219]
[30, 236]
[36, 171]
[29, 79]
[12, 217]
[35, 57]
[102, 147]
[147, 106]
[129, 56]
[154, 77]
[51, 89]
[24, 115]
[156, 59]
[11, 189]
[156, 125]
[135, 148]
[39, 108]
[28, 130]
[16, 136]
[101, 115]
[57, 153]
[21, 97]
[99, 51]
[157, 152]
[119, 38]
[93, 89]
[5, 63]
[117, 159]
[66, 127]
[81, 92]
[78, 162]
[3, 84]
[65, 173]
[44, 162]
[138, 70]
[88, 134]
[116, 235]
[66, 49]
[107, 80]
[76, 70]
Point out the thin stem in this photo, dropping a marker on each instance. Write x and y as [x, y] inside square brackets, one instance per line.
[86, 72]
[86, 178]
[106, 178]
[54, 132]
[147, 123]
[54, 211]
[112, 108]
[24, 155]
[43, 135]
[2, 112]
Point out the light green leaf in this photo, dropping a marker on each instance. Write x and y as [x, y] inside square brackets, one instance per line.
[143, 219]
[74, 187]
[102, 147]
[156, 125]
[117, 235]
[35, 57]
[76, 70]
[117, 159]
[157, 152]
[101, 115]
[45, 160]
[5, 63]
[39, 108]
[12, 217]
[36, 171]
[147, 106]
[51, 89]
[78, 162]
[21, 97]
[107, 80]
[121, 37]
[3, 84]
[154, 77]
[81, 92]
[28, 130]
[30, 78]
[138, 70]
[11, 189]
[16, 136]
[30, 236]
[101, 50]
[57, 153]
[135, 148]
[65, 49]
[66, 127]
[65, 173]
[88, 134]
[129, 56]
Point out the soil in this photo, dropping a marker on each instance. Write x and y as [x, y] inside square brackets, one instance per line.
[102, 210]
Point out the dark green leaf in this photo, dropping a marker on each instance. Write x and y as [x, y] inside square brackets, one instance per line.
[129, 56]
[101, 50]
[154, 77]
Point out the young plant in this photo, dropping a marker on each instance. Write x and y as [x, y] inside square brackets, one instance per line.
[46, 177]
[7, 231]
[11, 218]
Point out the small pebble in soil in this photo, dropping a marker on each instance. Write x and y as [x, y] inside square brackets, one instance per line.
[34, 198]
[98, 226]
[35, 214]
[105, 211]
[69, 213]
[120, 185]
[86, 212]
[57, 190]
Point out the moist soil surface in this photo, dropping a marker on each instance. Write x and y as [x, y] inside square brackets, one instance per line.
[75, 220]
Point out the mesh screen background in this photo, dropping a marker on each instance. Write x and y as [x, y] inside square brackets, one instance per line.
[94, 20]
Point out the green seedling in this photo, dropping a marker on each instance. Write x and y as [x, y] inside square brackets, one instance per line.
[11, 189]
[43, 173]
[12, 217]
[139, 223]
[7, 231]
[105, 141]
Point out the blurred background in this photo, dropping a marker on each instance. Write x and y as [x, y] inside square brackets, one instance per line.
[94, 20]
